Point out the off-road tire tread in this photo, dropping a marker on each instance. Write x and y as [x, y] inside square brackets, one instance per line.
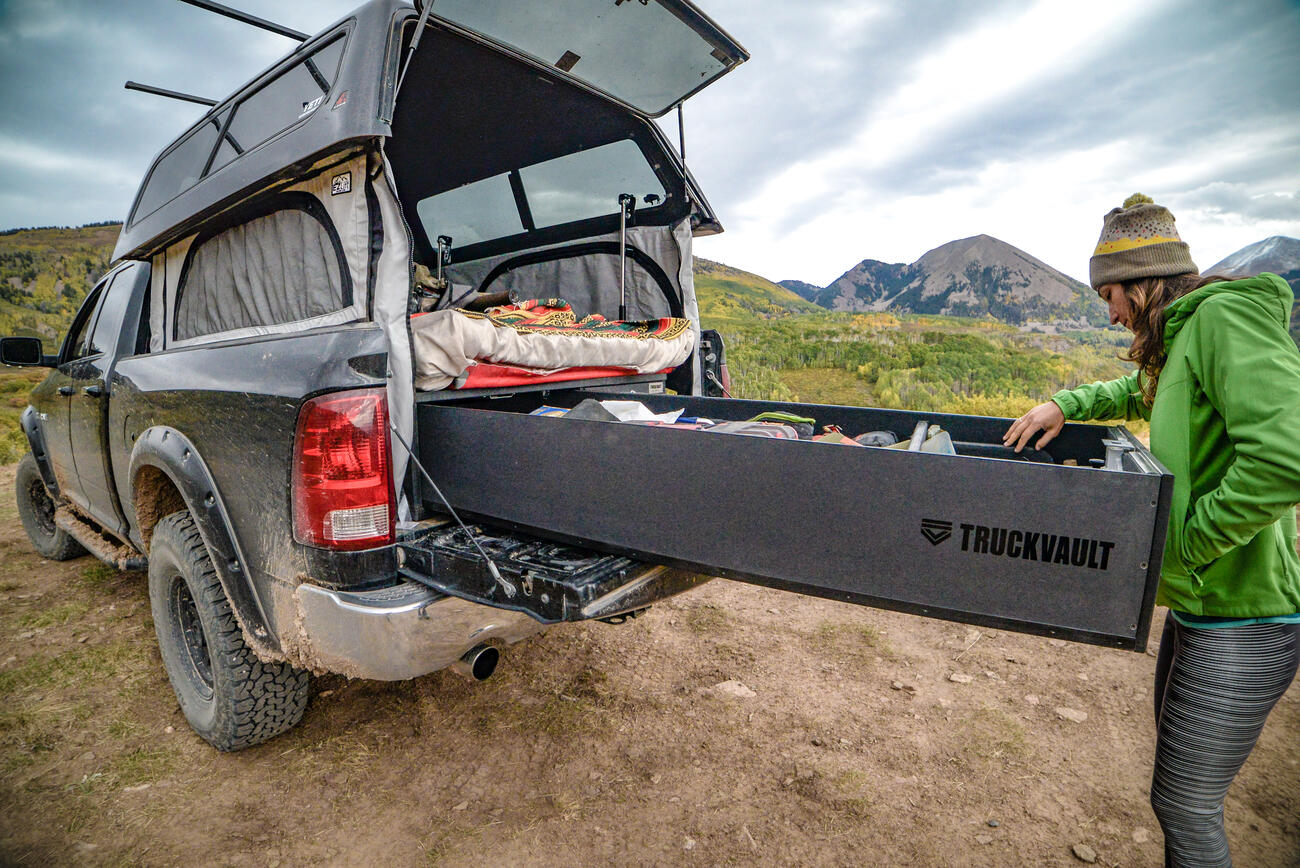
[57, 546]
[256, 701]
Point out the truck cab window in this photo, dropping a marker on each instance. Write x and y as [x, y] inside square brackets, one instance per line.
[108, 323]
[74, 346]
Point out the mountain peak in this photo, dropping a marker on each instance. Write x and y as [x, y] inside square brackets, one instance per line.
[975, 276]
[1279, 254]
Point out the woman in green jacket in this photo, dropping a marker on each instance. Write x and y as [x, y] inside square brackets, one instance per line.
[1218, 376]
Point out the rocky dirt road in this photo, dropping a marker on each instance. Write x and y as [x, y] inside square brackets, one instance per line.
[731, 726]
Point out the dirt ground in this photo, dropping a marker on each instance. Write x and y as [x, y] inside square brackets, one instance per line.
[730, 726]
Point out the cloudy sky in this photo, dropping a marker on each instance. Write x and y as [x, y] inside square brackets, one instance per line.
[859, 129]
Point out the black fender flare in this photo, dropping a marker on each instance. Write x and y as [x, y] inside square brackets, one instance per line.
[172, 453]
[31, 422]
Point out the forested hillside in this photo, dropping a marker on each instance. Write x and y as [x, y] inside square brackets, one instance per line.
[45, 273]
[944, 364]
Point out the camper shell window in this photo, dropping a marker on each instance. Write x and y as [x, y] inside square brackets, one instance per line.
[286, 99]
[179, 168]
[548, 160]
[648, 54]
[281, 102]
[284, 264]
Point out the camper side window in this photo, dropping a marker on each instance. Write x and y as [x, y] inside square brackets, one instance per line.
[178, 169]
[289, 97]
[283, 265]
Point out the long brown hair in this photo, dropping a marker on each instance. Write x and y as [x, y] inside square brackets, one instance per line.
[1148, 297]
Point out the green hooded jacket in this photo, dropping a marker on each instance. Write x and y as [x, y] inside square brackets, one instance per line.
[1226, 422]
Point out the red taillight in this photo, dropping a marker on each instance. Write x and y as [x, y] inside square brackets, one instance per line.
[342, 485]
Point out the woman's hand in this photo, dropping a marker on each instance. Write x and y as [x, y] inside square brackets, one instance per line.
[1047, 418]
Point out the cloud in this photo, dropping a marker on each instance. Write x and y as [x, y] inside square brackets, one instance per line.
[865, 129]
[1236, 199]
[75, 142]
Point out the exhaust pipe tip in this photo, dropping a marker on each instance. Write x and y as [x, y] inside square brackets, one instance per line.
[478, 664]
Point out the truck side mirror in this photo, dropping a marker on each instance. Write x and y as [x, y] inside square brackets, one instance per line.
[23, 353]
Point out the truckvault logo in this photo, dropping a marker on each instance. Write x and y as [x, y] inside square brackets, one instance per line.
[935, 531]
[1047, 548]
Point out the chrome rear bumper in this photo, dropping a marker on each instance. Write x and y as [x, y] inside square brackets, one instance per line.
[400, 632]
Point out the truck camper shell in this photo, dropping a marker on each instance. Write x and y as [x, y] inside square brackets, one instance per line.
[190, 180]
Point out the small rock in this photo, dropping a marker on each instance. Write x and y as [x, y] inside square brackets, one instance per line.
[1141, 836]
[845, 742]
[983, 839]
[989, 673]
[595, 776]
[82, 640]
[1072, 714]
[1056, 643]
[462, 806]
[324, 693]
[993, 824]
[1084, 853]
[960, 678]
[1083, 676]
[774, 611]
[689, 843]
[817, 741]
[1031, 698]
[654, 779]
[169, 729]
[734, 688]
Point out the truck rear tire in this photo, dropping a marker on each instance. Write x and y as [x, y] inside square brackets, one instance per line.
[36, 509]
[230, 697]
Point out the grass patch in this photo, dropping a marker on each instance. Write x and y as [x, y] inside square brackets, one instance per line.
[142, 766]
[73, 668]
[844, 795]
[706, 618]
[449, 839]
[53, 616]
[852, 637]
[994, 735]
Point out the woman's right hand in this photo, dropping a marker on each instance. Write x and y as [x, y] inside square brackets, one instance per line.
[1046, 417]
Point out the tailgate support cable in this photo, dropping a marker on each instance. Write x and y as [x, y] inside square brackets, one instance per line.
[491, 567]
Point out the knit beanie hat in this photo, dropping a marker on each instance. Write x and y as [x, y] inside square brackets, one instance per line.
[1138, 240]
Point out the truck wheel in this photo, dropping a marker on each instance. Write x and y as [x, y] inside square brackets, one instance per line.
[231, 698]
[36, 509]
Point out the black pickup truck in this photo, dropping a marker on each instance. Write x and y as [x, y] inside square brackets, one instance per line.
[235, 403]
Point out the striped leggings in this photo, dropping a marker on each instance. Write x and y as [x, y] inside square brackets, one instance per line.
[1214, 689]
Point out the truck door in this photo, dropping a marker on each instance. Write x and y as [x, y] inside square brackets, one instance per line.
[54, 398]
[88, 409]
